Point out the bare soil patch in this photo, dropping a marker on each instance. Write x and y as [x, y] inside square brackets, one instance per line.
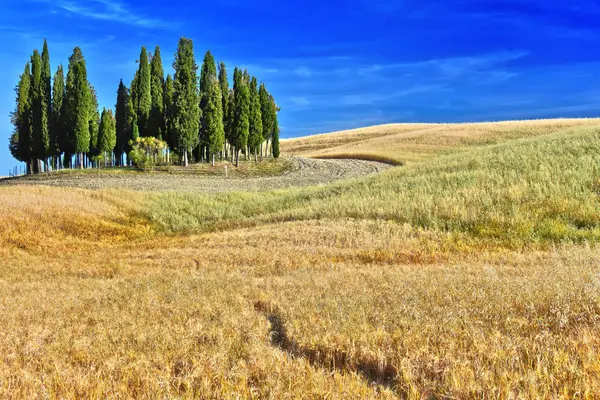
[301, 172]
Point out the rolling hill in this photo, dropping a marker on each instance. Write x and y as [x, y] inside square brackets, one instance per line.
[470, 269]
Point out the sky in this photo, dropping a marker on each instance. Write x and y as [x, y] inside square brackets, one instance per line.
[337, 64]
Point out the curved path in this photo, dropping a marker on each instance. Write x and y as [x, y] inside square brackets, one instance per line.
[305, 172]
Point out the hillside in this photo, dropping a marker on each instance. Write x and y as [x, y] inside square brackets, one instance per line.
[470, 271]
[405, 143]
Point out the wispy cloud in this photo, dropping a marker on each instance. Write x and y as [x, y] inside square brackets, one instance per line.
[450, 68]
[300, 101]
[108, 10]
[374, 98]
[303, 72]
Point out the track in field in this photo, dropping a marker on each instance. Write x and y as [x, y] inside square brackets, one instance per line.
[304, 172]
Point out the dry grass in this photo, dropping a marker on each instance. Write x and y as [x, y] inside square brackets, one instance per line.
[407, 143]
[467, 275]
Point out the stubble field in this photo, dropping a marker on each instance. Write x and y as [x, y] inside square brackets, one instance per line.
[471, 271]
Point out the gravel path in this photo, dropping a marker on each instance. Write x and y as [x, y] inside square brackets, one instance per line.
[305, 172]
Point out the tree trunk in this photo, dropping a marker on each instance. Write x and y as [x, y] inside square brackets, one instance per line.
[237, 157]
[213, 159]
[81, 160]
[185, 158]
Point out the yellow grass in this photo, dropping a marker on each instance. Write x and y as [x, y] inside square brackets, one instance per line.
[472, 272]
[404, 143]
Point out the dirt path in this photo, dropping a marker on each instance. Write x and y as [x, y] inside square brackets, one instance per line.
[305, 172]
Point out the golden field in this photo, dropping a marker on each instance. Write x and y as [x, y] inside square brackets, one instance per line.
[472, 271]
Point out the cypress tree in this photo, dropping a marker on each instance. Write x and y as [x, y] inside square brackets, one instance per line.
[255, 121]
[229, 118]
[67, 115]
[156, 124]
[275, 145]
[224, 86]
[143, 94]
[267, 113]
[212, 119]
[58, 94]
[94, 121]
[46, 111]
[132, 110]
[37, 111]
[186, 110]
[208, 75]
[20, 141]
[107, 133]
[122, 122]
[168, 111]
[133, 132]
[241, 114]
[77, 107]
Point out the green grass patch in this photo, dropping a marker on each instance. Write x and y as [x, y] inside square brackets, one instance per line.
[541, 190]
[246, 169]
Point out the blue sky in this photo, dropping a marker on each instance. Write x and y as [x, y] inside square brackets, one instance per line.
[335, 64]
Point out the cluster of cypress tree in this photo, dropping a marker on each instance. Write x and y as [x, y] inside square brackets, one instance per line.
[57, 124]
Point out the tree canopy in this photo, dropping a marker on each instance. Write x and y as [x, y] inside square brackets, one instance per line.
[57, 123]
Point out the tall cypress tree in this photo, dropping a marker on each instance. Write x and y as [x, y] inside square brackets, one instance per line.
[58, 94]
[122, 121]
[77, 107]
[46, 112]
[134, 131]
[241, 114]
[20, 142]
[212, 119]
[37, 111]
[94, 122]
[255, 129]
[224, 86]
[208, 75]
[229, 121]
[156, 124]
[275, 145]
[107, 134]
[267, 113]
[132, 107]
[186, 109]
[144, 94]
[67, 115]
[168, 111]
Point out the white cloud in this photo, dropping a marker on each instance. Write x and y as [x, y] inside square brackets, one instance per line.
[300, 101]
[303, 72]
[109, 10]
